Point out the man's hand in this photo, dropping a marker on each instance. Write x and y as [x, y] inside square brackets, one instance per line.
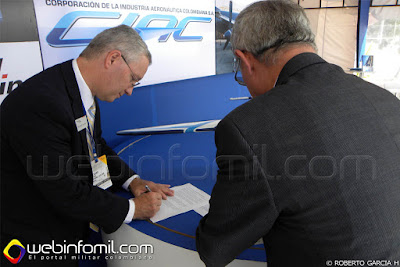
[147, 205]
[138, 188]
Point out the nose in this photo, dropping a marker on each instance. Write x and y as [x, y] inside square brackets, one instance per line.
[129, 91]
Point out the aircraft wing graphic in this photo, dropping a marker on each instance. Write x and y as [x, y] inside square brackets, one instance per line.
[189, 127]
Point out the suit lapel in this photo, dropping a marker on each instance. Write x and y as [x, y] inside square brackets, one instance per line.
[75, 98]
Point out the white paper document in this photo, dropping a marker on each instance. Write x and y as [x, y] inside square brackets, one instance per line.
[203, 210]
[187, 197]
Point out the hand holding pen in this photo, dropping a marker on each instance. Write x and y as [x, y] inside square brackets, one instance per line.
[148, 196]
[139, 186]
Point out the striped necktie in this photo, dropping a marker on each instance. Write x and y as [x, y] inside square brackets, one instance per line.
[90, 136]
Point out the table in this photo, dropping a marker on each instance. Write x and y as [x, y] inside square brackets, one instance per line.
[173, 159]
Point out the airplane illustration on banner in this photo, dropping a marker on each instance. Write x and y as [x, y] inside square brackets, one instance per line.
[189, 127]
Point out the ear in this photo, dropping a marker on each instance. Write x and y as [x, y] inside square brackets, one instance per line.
[247, 60]
[111, 58]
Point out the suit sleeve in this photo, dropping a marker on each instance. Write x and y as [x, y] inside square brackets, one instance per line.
[242, 208]
[41, 134]
[119, 170]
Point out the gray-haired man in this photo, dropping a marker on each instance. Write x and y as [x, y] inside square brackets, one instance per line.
[311, 164]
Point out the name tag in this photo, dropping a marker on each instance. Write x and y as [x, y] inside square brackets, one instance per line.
[101, 174]
[81, 123]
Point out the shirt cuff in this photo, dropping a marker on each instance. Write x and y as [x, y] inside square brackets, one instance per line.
[131, 211]
[128, 182]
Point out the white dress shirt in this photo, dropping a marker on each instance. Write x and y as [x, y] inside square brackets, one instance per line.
[88, 100]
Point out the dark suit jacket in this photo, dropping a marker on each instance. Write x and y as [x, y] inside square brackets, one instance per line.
[46, 178]
[312, 167]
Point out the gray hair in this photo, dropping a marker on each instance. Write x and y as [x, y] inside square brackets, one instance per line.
[122, 38]
[270, 26]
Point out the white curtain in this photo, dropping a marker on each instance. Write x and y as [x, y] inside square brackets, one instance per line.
[335, 32]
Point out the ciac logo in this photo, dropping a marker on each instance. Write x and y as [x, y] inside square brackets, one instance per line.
[22, 251]
[57, 36]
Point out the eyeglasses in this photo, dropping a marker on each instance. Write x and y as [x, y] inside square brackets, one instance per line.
[239, 79]
[133, 76]
[276, 45]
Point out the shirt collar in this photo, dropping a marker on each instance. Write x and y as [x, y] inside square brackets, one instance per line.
[86, 94]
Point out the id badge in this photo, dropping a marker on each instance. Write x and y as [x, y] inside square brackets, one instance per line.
[101, 175]
[81, 123]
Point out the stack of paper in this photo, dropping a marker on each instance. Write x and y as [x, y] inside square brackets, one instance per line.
[187, 197]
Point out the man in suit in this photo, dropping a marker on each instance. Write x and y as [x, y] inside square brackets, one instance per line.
[311, 163]
[55, 165]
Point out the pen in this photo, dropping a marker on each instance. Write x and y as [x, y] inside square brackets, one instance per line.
[241, 98]
[147, 188]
